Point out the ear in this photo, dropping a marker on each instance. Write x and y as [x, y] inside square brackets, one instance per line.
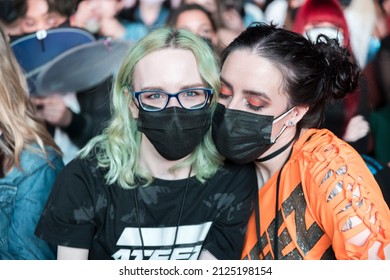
[132, 106]
[134, 109]
[296, 115]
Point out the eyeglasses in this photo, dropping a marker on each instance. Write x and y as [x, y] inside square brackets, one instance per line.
[157, 100]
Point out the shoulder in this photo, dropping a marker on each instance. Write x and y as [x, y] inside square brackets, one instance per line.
[81, 166]
[234, 177]
[33, 158]
[82, 171]
[231, 169]
[79, 179]
[322, 155]
[322, 145]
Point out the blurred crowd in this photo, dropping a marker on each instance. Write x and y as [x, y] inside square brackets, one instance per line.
[362, 119]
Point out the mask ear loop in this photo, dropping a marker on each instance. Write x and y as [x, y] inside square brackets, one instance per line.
[139, 223]
[277, 152]
[284, 126]
[279, 134]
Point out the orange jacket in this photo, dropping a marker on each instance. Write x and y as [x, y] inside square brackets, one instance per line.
[330, 206]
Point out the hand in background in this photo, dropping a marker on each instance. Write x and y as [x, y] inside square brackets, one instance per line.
[357, 128]
[53, 110]
[111, 27]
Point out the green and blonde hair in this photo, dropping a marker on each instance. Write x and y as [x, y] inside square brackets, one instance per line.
[117, 148]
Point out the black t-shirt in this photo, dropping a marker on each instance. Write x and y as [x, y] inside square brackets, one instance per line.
[143, 223]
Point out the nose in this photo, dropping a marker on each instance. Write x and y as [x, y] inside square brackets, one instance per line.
[39, 25]
[42, 25]
[173, 102]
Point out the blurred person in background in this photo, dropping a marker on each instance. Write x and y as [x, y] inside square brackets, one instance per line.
[29, 163]
[198, 20]
[231, 17]
[347, 118]
[383, 23]
[144, 16]
[9, 20]
[43, 14]
[101, 18]
[380, 115]
[72, 118]
[282, 12]
[209, 5]
[361, 17]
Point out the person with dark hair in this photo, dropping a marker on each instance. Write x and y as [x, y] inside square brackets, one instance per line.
[347, 117]
[198, 20]
[101, 18]
[43, 14]
[9, 21]
[73, 118]
[380, 116]
[144, 16]
[29, 163]
[317, 199]
[152, 185]
[231, 17]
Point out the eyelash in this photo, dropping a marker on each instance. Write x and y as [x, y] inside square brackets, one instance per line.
[253, 108]
[247, 104]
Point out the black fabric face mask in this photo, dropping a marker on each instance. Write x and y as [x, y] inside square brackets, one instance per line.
[240, 136]
[174, 132]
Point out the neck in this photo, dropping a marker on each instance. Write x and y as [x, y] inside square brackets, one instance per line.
[268, 168]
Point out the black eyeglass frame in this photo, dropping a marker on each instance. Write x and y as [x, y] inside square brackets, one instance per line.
[209, 95]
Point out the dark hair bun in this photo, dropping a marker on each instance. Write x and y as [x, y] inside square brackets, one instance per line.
[341, 73]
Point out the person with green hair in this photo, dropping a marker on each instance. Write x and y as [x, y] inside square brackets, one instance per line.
[152, 185]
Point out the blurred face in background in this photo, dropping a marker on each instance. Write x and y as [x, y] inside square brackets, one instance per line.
[386, 7]
[106, 8]
[90, 13]
[152, 2]
[38, 17]
[210, 5]
[197, 22]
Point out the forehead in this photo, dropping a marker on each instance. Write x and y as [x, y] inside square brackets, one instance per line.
[247, 71]
[193, 16]
[168, 67]
[104, 2]
[210, 5]
[36, 8]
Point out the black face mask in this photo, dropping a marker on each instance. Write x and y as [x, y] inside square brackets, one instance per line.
[243, 137]
[174, 132]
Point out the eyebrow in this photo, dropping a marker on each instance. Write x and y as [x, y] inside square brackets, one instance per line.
[197, 85]
[248, 92]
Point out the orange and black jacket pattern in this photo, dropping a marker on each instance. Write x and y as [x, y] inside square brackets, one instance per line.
[329, 206]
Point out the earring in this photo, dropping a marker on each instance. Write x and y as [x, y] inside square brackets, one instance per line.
[290, 123]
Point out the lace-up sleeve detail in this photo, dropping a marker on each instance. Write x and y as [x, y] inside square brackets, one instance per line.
[350, 207]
